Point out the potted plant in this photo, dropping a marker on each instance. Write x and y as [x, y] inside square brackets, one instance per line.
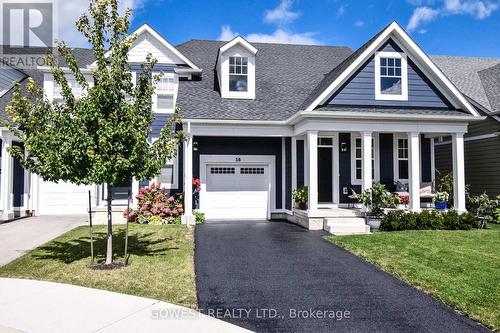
[441, 200]
[375, 199]
[300, 197]
[403, 201]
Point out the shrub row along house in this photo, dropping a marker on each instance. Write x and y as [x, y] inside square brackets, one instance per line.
[264, 119]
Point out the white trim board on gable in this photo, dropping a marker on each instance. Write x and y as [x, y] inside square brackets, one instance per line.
[403, 40]
[156, 43]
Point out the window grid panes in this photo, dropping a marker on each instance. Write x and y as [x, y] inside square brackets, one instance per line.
[76, 88]
[238, 74]
[166, 84]
[403, 158]
[359, 159]
[391, 76]
[222, 171]
[252, 171]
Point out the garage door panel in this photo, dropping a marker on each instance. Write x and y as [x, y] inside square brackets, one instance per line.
[236, 191]
[62, 198]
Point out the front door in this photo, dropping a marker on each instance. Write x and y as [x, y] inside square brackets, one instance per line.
[325, 170]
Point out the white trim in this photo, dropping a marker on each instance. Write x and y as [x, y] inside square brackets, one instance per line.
[283, 173]
[312, 169]
[336, 169]
[433, 163]
[238, 40]
[400, 35]
[404, 76]
[188, 218]
[243, 130]
[396, 159]
[376, 157]
[163, 41]
[268, 160]
[414, 170]
[458, 172]
[294, 165]
[367, 160]
[172, 93]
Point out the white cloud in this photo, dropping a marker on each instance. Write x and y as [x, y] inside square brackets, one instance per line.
[278, 36]
[479, 9]
[69, 11]
[341, 11]
[359, 24]
[421, 15]
[281, 14]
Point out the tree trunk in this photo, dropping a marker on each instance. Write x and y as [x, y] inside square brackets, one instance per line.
[109, 247]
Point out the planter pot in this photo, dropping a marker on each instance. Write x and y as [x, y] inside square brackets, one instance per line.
[441, 205]
[401, 207]
[301, 206]
[373, 222]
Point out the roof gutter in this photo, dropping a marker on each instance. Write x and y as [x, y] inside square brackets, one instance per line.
[337, 115]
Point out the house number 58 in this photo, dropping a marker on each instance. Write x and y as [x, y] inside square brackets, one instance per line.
[238, 159]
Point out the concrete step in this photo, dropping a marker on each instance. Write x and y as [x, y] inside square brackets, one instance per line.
[346, 226]
[345, 221]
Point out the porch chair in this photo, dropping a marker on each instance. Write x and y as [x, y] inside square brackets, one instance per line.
[353, 197]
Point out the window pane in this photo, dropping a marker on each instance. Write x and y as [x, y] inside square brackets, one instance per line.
[358, 143]
[383, 71]
[398, 72]
[165, 102]
[244, 61]
[383, 61]
[231, 60]
[231, 69]
[244, 70]
[358, 173]
[390, 86]
[166, 174]
[390, 62]
[238, 83]
[403, 169]
[398, 62]
[238, 60]
[390, 71]
[358, 153]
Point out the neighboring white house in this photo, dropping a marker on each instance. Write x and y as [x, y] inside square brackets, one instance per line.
[264, 119]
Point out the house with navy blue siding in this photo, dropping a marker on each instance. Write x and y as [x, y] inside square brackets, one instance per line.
[264, 119]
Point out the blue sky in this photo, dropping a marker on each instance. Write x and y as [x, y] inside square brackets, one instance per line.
[441, 27]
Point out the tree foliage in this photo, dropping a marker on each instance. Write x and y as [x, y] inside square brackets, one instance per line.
[103, 135]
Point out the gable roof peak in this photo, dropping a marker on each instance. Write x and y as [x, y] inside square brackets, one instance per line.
[241, 41]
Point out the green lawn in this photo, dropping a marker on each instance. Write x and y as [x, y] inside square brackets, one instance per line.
[161, 262]
[461, 268]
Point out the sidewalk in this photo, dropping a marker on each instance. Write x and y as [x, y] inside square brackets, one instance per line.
[20, 236]
[47, 307]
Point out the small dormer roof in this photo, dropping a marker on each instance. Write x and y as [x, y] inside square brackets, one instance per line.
[241, 41]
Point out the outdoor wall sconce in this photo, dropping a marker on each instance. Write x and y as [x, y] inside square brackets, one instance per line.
[195, 146]
[343, 147]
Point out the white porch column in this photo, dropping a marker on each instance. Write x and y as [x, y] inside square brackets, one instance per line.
[458, 172]
[7, 178]
[366, 144]
[294, 163]
[312, 170]
[414, 170]
[188, 217]
[135, 191]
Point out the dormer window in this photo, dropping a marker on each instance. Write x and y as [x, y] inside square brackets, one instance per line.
[236, 69]
[238, 73]
[391, 76]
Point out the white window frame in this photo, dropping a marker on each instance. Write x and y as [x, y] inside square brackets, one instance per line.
[175, 174]
[375, 158]
[223, 73]
[241, 65]
[76, 88]
[404, 76]
[396, 139]
[172, 92]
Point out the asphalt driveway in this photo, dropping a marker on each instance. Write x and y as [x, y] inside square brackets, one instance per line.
[23, 235]
[278, 277]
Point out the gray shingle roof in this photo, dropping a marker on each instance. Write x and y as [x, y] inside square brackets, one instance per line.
[285, 75]
[464, 73]
[490, 78]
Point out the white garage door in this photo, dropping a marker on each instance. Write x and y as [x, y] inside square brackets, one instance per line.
[236, 191]
[62, 198]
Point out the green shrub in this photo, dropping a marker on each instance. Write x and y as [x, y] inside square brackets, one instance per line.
[400, 220]
[377, 198]
[430, 220]
[200, 217]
